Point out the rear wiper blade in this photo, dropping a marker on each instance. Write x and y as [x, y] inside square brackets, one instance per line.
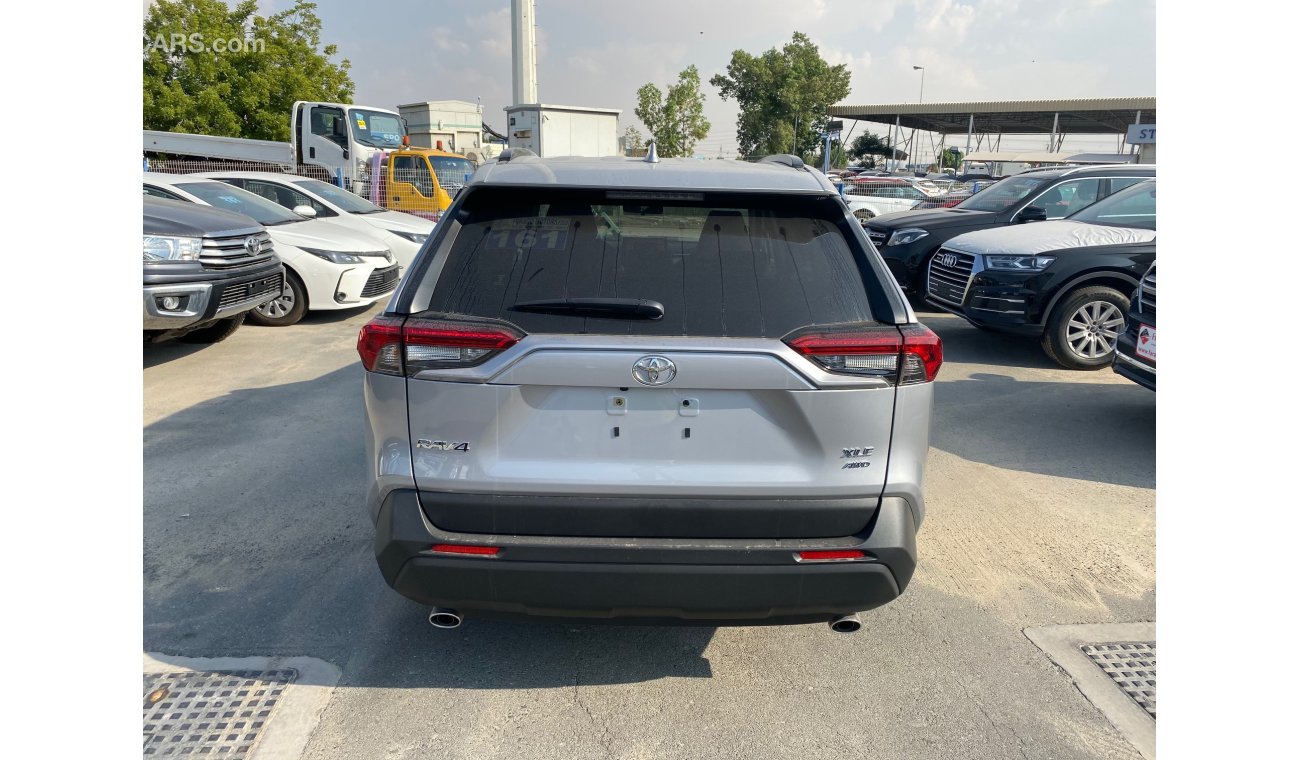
[618, 308]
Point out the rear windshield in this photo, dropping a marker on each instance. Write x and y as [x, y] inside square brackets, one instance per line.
[1001, 195]
[724, 266]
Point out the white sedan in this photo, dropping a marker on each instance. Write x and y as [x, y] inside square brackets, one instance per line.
[403, 233]
[327, 265]
[875, 196]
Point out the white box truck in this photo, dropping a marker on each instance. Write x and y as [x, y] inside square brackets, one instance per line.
[328, 139]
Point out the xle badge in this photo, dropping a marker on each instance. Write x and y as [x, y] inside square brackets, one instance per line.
[856, 452]
[425, 443]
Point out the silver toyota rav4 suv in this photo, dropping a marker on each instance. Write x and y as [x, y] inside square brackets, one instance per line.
[648, 390]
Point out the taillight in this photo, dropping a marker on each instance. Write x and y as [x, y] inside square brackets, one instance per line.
[922, 354]
[904, 355]
[399, 346]
[380, 345]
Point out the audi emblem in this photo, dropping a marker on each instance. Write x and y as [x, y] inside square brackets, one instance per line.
[948, 260]
[654, 370]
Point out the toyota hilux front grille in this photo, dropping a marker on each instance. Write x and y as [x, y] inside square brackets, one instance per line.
[236, 250]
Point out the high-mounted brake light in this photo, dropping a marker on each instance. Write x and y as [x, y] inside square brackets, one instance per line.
[904, 355]
[399, 346]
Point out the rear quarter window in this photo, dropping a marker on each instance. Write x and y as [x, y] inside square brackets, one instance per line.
[725, 266]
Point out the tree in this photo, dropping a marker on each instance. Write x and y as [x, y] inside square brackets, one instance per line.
[677, 122]
[952, 158]
[633, 142]
[783, 96]
[214, 69]
[867, 145]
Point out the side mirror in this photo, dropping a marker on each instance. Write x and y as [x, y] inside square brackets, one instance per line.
[306, 211]
[1033, 214]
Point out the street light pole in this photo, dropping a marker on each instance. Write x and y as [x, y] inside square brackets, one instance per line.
[911, 145]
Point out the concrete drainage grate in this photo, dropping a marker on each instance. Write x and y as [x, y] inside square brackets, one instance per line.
[1118, 676]
[1132, 666]
[212, 713]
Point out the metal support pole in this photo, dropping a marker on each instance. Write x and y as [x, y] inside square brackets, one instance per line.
[1051, 141]
[970, 130]
[898, 131]
[889, 140]
[1136, 120]
[826, 154]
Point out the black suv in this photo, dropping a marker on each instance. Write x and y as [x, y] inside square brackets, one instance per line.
[1065, 281]
[908, 239]
[204, 269]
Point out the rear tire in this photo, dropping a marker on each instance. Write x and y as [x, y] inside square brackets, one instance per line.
[864, 215]
[214, 333]
[286, 310]
[1083, 329]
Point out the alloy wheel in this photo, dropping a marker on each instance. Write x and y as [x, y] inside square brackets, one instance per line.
[1093, 329]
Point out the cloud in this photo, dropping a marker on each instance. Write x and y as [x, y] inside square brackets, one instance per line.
[490, 32]
[447, 41]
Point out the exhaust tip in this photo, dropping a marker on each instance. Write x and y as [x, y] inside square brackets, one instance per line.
[440, 617]
[846, 624]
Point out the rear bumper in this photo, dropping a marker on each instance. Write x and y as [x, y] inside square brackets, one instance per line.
[655, 580]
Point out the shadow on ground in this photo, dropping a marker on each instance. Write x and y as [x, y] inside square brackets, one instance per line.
[257, 542]
[1088, 431]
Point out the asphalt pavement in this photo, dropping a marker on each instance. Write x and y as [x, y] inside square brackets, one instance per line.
[1041, 511]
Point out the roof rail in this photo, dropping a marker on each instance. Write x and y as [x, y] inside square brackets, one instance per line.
[510, 153]
[785, 159]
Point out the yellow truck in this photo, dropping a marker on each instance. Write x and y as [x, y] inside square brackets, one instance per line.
[420, 181]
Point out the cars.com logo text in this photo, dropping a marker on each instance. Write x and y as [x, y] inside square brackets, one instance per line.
[194, 43]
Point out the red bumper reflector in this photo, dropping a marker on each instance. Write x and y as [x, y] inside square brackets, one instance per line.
[826, 556]
[478, 551]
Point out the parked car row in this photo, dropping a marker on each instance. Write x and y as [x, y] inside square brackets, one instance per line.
[336, 249]
[1065, 282]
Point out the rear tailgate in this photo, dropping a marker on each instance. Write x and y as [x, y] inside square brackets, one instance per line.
[727, 431]
[738, 444]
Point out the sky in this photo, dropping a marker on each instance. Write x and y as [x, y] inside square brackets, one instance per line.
[599, 53]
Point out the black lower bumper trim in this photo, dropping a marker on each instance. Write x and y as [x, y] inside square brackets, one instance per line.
[696, 581]
[647, 517]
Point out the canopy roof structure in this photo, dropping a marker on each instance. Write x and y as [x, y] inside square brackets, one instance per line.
[1078, 116]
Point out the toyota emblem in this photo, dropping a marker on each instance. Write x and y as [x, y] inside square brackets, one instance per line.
[252, 244]
[654, 370]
